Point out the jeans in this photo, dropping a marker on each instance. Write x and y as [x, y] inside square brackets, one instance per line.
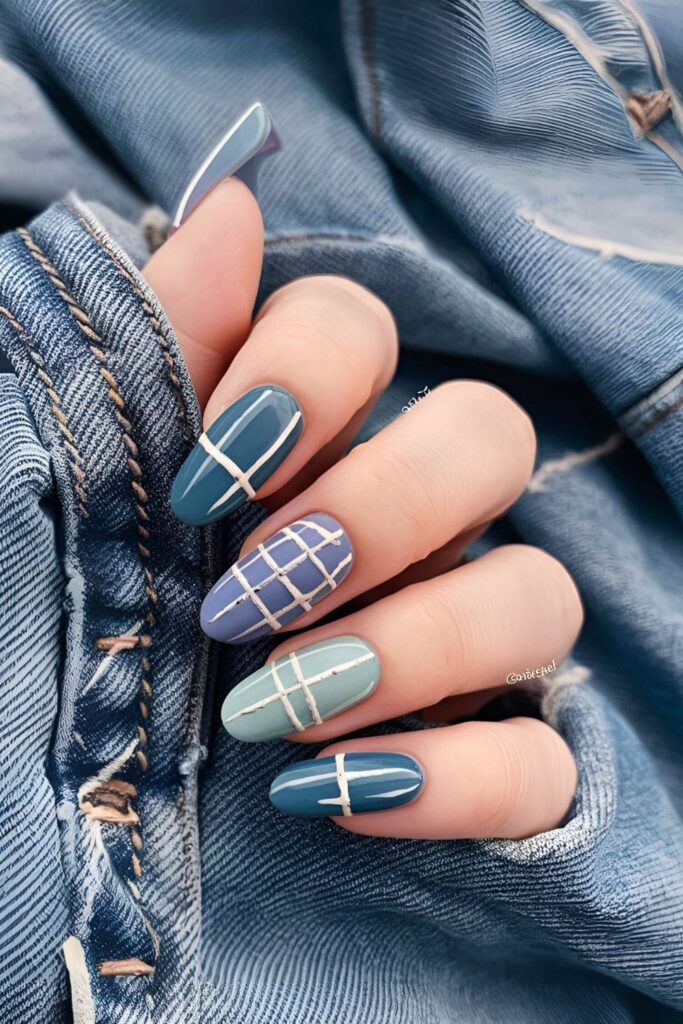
[499, 172]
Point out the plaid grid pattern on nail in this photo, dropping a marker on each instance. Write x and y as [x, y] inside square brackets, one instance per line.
[291, 681]
[283, 578]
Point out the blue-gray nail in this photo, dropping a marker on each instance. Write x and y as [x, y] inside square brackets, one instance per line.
[236, 455]
[239, 152]
[347, 784]
[301, 689]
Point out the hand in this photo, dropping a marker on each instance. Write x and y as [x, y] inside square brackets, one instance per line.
[384, 526]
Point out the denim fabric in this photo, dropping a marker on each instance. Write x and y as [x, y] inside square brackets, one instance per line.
[474, 164]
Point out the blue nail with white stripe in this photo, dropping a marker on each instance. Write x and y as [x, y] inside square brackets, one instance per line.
[236, 455]
[347, 784]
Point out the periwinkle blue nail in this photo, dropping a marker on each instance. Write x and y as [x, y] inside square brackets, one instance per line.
[301, 689]
[236, 455]
[281, 579]
[347, 784]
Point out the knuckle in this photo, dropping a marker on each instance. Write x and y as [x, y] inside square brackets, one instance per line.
[327, 294]
[489, 403]
[550, 577]
[529, 764]
[394, 478]
[401, 480]
[356, 298]
[450, 635]
[513, 422]
[509, 779]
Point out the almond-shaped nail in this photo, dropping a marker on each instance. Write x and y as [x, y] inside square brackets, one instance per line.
[281, 579]
[301, 689]
[347, 784]
[236, 455]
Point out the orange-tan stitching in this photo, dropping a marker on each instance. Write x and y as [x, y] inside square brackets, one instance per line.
[61, 420]
[148, 310]
[132, 967]
[111, 802]
[648, 108]
[113, 645]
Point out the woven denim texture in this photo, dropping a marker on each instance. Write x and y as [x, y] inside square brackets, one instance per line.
[469, 163]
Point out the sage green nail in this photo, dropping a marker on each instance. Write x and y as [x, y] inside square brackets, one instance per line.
[301, 689]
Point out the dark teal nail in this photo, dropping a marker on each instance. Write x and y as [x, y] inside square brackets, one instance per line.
[236, 455]
[347, 784]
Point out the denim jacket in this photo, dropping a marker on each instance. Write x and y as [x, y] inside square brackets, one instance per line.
[508, 176]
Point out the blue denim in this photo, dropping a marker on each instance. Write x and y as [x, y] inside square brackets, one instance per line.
[474, 164]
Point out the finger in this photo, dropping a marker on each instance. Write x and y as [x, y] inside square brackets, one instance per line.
[206, 276]
[457, 459]
[448, 557]
[321, 349]
[321, 460]
[513, 609]
[476, 780]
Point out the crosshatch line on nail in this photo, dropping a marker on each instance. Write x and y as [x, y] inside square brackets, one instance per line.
[242, 478]
[251, 591]
[299, 685]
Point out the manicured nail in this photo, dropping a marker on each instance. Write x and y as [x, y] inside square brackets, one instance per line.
[347, 784]
[238, 152]
[302, 688]
[278, 581]
[236, 455]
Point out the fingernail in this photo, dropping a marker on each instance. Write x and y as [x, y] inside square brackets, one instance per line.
[239, 152]
[279, 581]
[236, 455]
[347, 784]
[301, 689]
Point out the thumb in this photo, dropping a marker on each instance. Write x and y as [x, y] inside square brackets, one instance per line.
[206, 277]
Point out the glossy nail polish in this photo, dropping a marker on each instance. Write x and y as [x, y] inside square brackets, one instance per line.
[236, 455]
[278, 581]
[347, 784]
[239, 152]
[301, 689]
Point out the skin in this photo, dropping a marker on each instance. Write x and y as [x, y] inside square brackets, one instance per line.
[410, 499]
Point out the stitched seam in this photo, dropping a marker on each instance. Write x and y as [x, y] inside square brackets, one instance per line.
[148, 311]
[656, 406]
[658, 416]
[367, 47]
[74, 456]
[85, 325]
[588, 50]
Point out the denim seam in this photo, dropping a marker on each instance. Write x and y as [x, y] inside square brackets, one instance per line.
[148, 311]
[367, 38]
[647, 413]
[115, 645]
[75, 461]
[586, 47]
